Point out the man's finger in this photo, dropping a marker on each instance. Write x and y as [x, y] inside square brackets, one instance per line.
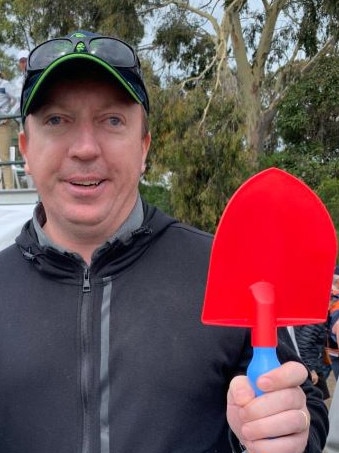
[290, 374]
[240, 391]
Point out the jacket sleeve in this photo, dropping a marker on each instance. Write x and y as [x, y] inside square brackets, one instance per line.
[310, 339]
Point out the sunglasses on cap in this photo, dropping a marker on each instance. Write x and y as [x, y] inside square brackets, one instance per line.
[113, 51]
[113, 54]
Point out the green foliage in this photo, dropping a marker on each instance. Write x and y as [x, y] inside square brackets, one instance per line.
[328, 191]
[331, 9]
[319, 174]
[309, 27]
[173, 35]
[7, 66]
[157, 195]
[308, 123]
[24, 23]
[308, 116]
[206, 165]
[182, 41]
[319, 21]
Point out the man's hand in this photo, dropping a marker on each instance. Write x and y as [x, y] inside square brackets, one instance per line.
[277, 421]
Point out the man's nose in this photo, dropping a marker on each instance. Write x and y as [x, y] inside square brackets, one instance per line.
[85, 144]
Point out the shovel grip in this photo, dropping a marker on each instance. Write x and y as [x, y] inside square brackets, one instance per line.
[264, 359]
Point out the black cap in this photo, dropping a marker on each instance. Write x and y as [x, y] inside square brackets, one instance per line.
[131, 80]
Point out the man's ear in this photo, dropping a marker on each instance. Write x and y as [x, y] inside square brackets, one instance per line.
[22, 141]
[146, 144]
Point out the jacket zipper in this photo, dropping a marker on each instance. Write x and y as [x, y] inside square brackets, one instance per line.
[85, 361]
[86, 286]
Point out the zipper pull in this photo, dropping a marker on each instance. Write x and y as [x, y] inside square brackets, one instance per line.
[86, 286]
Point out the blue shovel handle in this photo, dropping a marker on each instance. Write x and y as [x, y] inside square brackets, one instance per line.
[264, 359]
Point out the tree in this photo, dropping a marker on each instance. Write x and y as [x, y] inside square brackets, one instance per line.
[204, 167]
[25, 23]
[259, 45]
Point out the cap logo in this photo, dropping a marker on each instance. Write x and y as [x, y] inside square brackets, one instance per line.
[80, 47]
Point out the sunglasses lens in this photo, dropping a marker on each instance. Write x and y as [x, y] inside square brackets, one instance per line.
[48, 52]
[113, 52]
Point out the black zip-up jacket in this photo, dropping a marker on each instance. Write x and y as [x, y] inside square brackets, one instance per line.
[114, 358]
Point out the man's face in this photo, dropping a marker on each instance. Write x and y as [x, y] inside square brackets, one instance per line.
[85, 151]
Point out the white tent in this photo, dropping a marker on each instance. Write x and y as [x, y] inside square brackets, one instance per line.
[16, 207]
[12, 219]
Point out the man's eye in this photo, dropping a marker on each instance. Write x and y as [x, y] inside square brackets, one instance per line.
[114, 121]
[54, 120]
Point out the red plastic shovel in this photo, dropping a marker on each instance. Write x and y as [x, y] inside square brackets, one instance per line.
[272, 262]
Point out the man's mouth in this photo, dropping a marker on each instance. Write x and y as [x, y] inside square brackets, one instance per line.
[86, 183]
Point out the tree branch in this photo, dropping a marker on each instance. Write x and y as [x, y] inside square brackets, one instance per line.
[265, 42]
[239, 46]
[270, 111]
[328, 47]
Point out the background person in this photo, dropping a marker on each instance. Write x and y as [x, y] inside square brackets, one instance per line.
[310, 339]
[101, 343]
[333, 325]
[7, 102]
[22, 60]
[18, 80]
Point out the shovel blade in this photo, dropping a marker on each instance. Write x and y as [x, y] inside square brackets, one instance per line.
[274, 229]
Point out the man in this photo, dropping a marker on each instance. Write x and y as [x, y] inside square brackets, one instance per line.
[102, 348]
[7, 102]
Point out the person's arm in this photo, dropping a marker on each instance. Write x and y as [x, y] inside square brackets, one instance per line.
[288, 418]
[310, 338]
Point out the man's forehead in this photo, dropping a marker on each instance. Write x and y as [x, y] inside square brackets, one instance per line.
[65, 93]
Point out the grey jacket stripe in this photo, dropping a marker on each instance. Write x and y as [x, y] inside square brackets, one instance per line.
[104, 376]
